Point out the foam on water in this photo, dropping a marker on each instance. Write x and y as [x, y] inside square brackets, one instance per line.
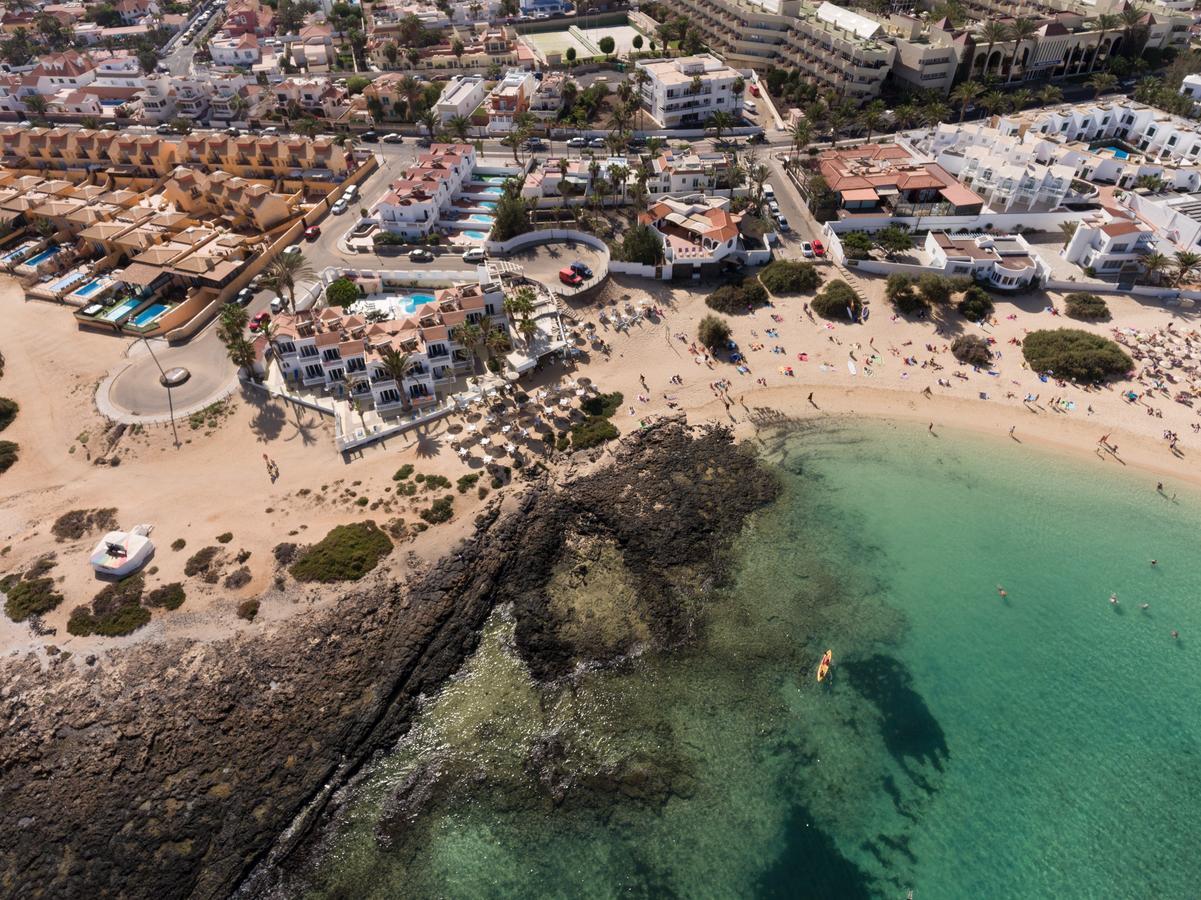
[1041, 745]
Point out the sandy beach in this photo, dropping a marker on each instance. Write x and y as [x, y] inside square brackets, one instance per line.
[216, 481]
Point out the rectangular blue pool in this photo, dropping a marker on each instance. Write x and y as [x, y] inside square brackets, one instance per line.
[46, 254]
[149, 314]
[120, 310]
[90, 288]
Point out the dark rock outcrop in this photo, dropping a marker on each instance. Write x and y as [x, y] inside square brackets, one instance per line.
[172, 769]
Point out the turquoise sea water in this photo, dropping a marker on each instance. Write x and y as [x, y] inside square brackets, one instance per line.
[1046, 744]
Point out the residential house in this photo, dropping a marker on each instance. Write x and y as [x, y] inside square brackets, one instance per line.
[462, 95]
[242, 50]
[508, 98]
[319, 96]
[249, 16]
[686, 91]
[314, 50]
[698, 236]
[1110, 245]
[547, 101]
[1004, 262]
[876, 179]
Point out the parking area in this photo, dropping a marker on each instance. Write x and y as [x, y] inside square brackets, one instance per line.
[542, 263]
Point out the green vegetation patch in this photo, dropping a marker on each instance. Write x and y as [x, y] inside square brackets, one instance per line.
[1088, 307]
[441, 510]
[73, 525]
[713, 331]
[200, 562]
[838, 300]
[467, 482]
[225, 537]
[737, 298]
[403, 472]
[1074, 354]
[115, 611]
[248, 609]
[169, 596]
[593, 431]
[975, 305]
[9, 452]
[603, 404]
[347, 553]
[8, 412]
[972, 350]
[32, 597]
[784, 277]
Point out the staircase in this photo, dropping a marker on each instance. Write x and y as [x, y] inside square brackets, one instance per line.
[854, 281]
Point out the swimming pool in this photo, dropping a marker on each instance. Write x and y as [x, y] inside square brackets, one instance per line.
[490, 192]
[64, 283]
[1118, 152]
[149, 314]
[13, 254]
[410, 302]
[487, 204]
[475, 235]
[41, 257]
[480, 217]
[90, 288]
[121, 309]
[492, 179]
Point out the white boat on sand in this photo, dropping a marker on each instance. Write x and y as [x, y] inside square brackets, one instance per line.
[122, 552]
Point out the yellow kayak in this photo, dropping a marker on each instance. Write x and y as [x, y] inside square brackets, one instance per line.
[824, 666]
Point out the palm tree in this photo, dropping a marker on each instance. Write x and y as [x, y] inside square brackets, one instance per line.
[1068, 229]
[906, 116]
[528, 328]
[471, 337]
[396, 365]
[1021, 99]
[1050, 95]
[719, 123]
[933, 112]
[1101, 82]
[1154, 265]
[1185, 262]
[871, 117]
[459, 126]
[1022, 30]
[802, 134]
[992, 102]
[964, 94]
[36, 104]
[993, 32]
[429, 120]
[1132, 17]
[618, 174]
[1105, 22]
[520, 304]
[282, 274]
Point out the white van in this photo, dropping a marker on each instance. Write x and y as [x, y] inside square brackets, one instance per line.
[769, 192]
[350, 193]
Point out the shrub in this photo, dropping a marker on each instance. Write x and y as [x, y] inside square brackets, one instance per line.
[403, 472]
[591, 432]
[169, 596]
[441, 510]
[1074, 354]
[835, 299]
[225, 537]
[178, 544]
[1088, 307]
[201, 561]
[785, 277]
[73, 525]
[8, 455]
[238, 578]
[976, 305]
[602, 404]
[639, 244]
[116, 610]
[900, 293]
[347, 553]
[713, 332]
[284, 553]
[467, 482]
[8, 412]
[434, 482]
[121, 593]
[972, 350]
[248, 609]
[33, 597]
[935, 289]
[856, 245]
[342, 292]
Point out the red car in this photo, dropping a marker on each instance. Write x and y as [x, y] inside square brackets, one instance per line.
[259, 321]
[819, 248]
[312, 232]
[571, 277]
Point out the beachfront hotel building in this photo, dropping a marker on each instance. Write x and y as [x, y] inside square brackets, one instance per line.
[415, 201]
[341, 353]
[686, 91]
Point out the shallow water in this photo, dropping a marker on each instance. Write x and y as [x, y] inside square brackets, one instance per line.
[1044, 744]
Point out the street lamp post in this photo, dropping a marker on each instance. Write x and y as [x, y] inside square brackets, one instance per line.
[165, 382]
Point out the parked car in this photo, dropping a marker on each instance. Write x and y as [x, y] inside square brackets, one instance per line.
[259, 321]
[421, 255]
[474, 255]
[577, 142]
[570, 277]
[580, 269]
[754, 89]
[244, 296]
[277, 305]
[350, 193]
[774, 207]
[369, 137]
[312, 233]
[782, 224]
[394, 138]
[164, 129]
[819, 249]
[535, 143]
[597, 143]
[768, 190]
[293, 250]
[340, 207]
[271, 129]
[806, 250]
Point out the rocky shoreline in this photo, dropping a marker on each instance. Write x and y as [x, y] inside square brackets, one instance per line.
[173, 769]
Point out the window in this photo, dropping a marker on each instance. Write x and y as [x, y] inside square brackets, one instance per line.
[314, 371]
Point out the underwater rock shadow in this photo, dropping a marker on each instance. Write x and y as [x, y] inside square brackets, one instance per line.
[811, 865]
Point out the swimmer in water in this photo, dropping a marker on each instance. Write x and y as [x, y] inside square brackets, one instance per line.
[1175, 633]
[1155, 562]
[1113, 598]
[1002, 591]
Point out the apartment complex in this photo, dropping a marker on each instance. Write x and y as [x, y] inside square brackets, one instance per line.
[414, 203]
[344, 353]
[686, 91]
[852, 51]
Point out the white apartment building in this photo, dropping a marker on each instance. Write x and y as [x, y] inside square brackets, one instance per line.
[416, 199]
[1109, 246]
[1009, 178]
[242, 50]
[677, 172]
[462, 96]
[547, 100]
[687, 91]
[1176, 218]
[1191, 86]
[1006, 262]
